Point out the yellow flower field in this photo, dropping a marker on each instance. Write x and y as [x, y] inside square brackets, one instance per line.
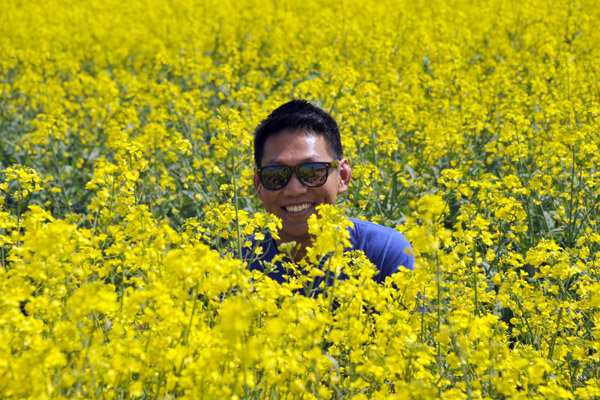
[126, 178]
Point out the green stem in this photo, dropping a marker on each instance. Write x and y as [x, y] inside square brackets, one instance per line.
[525, 321]
[189, 327]
[235, 194]
[475, 280]
[555, 334]
[19, 214]
[331, 294]
[423, 316]
[463, 364]
[571, 200]
[438, 273]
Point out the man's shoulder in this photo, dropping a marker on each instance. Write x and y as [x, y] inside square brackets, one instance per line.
[385, 247]
[367, 228]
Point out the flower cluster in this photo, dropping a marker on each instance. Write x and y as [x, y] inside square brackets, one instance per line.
[126, 194]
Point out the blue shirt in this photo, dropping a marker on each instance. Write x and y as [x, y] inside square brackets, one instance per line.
[385, 247]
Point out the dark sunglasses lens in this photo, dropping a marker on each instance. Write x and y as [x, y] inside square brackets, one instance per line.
[274, 177]
[313, 174]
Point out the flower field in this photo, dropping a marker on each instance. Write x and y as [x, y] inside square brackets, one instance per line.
[126, 191]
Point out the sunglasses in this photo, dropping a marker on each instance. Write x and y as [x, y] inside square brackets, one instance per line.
[311, 174]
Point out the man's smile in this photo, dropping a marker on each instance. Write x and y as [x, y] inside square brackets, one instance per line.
[298, 207]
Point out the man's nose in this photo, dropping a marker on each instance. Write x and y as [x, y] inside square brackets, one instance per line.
[294, 186]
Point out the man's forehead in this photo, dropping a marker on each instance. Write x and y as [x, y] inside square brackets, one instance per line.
[293, 147]
[295, 132]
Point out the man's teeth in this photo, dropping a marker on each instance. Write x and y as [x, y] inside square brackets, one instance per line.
[297, 208]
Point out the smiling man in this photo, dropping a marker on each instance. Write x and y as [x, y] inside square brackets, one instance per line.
[299, 165]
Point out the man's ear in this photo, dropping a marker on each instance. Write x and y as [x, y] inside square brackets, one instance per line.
[257, 184]
[345, 175]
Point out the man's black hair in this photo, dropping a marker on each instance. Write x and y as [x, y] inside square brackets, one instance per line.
[298, 115]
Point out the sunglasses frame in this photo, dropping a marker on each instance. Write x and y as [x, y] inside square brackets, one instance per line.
[290, 170]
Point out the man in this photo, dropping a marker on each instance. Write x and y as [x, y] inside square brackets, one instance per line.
[300, 165]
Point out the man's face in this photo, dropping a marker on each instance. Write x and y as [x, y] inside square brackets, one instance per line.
[295, 202]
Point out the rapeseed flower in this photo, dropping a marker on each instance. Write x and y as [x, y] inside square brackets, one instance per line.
[126, 194]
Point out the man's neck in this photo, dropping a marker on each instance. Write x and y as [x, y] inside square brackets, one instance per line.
[296, 252]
